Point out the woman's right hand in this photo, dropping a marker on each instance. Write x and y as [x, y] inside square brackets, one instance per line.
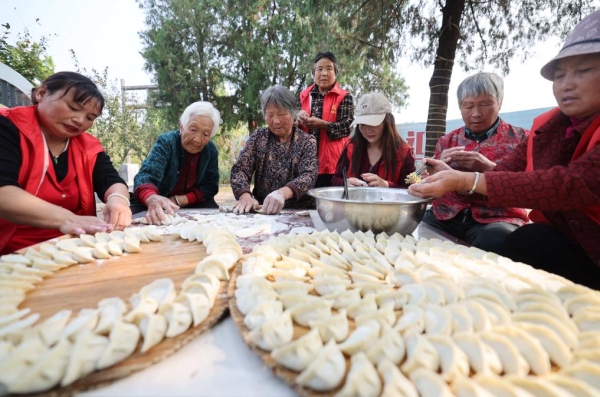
[84, 225]
[157, 206]
[245, 204]
[356, 182]
[435, 166]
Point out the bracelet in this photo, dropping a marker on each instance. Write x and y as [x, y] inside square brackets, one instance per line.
[474, 183]
[119, 196]
[176, 200]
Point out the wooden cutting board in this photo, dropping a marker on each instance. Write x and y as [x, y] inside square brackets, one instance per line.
[83, 286]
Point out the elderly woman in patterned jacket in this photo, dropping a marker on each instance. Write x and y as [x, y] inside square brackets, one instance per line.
[556, 171]
[182, 170]
[478, 146]
[280, 158]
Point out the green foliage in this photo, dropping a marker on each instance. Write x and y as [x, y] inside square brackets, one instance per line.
[230, 144]
[228, 51]
[125, 128]
[26, 56]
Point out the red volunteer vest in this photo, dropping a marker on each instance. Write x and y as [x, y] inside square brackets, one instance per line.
[590, 138]
[36, 176]
[329, 150]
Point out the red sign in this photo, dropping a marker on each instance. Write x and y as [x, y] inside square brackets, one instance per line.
[417, 141]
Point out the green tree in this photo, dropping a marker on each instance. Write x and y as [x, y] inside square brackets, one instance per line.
[471, 33]
[26, 56]
[226, 52]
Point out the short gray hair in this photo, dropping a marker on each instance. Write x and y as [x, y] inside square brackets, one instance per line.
[201, 108]
[481, 84]
[281, 98]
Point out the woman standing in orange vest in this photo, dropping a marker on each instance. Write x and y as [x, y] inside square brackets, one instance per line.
[50, 167]
[327, 112]
[555, 172]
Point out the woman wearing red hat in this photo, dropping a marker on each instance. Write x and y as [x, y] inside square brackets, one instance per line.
[555, 172]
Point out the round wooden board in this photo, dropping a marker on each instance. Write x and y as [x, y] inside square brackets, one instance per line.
[83, 286]
[288, 376]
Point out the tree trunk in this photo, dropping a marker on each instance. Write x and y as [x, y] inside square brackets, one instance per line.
[442, 72]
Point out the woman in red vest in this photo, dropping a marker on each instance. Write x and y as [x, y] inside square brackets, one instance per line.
[50, 167]
[376, 154]
[327, 111]
[556, 171]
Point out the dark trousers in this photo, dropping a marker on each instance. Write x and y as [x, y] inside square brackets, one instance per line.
[323, 180]
[486, 236]
[207, 203]
[545, 247]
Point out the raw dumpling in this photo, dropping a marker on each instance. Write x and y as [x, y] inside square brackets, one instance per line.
[465, 387]
[575, 386]
[584, 370]
[420, 353]
[538, 386]
[438, 320]
[178, 317]
[335, 327]
[298, 354]
[262, 312]
[499, 387]
[213, 266]
[51, 328]
[344, 299]
[83, 254]
[361, 337]
[365, 306]
[429, 384]
[20, 359]
[111, 310]
[140, 305]
[326, 370]
[160, 291]
[412, 320]
[123, 339]
[461, 319]
[362, 379]
[560, 328]
[453, 361]
[559, 352]
[86, 351]
[390, 347]
[153, 328]
[482, 358]
[86, 319]
[512, 361]
[274, 333]
[395, 384]
[46, 372]
[198, 305]
[318, 310]
[385, 315]
[131, 244]
[531, 348]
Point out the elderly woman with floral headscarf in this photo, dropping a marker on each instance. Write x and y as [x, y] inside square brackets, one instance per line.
[555, 172]
[182, 170]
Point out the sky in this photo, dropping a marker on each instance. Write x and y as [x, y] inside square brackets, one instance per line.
[104, 33]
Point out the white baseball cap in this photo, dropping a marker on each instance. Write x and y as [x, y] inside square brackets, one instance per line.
[371, 109]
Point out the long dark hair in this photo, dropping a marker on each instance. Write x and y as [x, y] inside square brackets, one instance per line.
[85, 89]
[391, 142]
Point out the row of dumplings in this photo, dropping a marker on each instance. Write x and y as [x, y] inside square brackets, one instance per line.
[21, 272]
[62, 349]
[478, 314]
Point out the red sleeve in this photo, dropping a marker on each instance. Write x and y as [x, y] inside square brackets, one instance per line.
[144, 191]
[196, 196]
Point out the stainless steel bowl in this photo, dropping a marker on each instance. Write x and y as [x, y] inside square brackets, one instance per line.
[369, 208]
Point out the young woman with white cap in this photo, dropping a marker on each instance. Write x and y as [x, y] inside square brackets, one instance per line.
[376, 154]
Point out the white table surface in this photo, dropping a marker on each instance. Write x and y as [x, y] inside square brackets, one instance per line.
[217, 363]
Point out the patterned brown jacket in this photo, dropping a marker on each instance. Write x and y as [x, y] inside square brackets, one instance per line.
[274, 165]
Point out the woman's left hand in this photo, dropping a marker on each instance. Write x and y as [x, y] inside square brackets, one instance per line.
[273, 203]
[439, 184]
[117, 213]
[374, 180]
[472, 161]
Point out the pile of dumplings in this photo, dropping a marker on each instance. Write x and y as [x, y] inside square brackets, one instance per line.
[64, 348]
[358, 314]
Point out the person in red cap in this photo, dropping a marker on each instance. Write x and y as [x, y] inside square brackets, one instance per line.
[555, 172]
[376, 154]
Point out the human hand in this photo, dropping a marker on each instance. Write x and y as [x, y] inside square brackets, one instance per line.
[356, 182]
[446, 155]
[117, 213]
[434, 166]
[472, 161]
[273, 203]
[439, 184]
[84, 225]
[302, 115]
[157, 206]
[314, 122]
[245, 204]
[374, 180]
